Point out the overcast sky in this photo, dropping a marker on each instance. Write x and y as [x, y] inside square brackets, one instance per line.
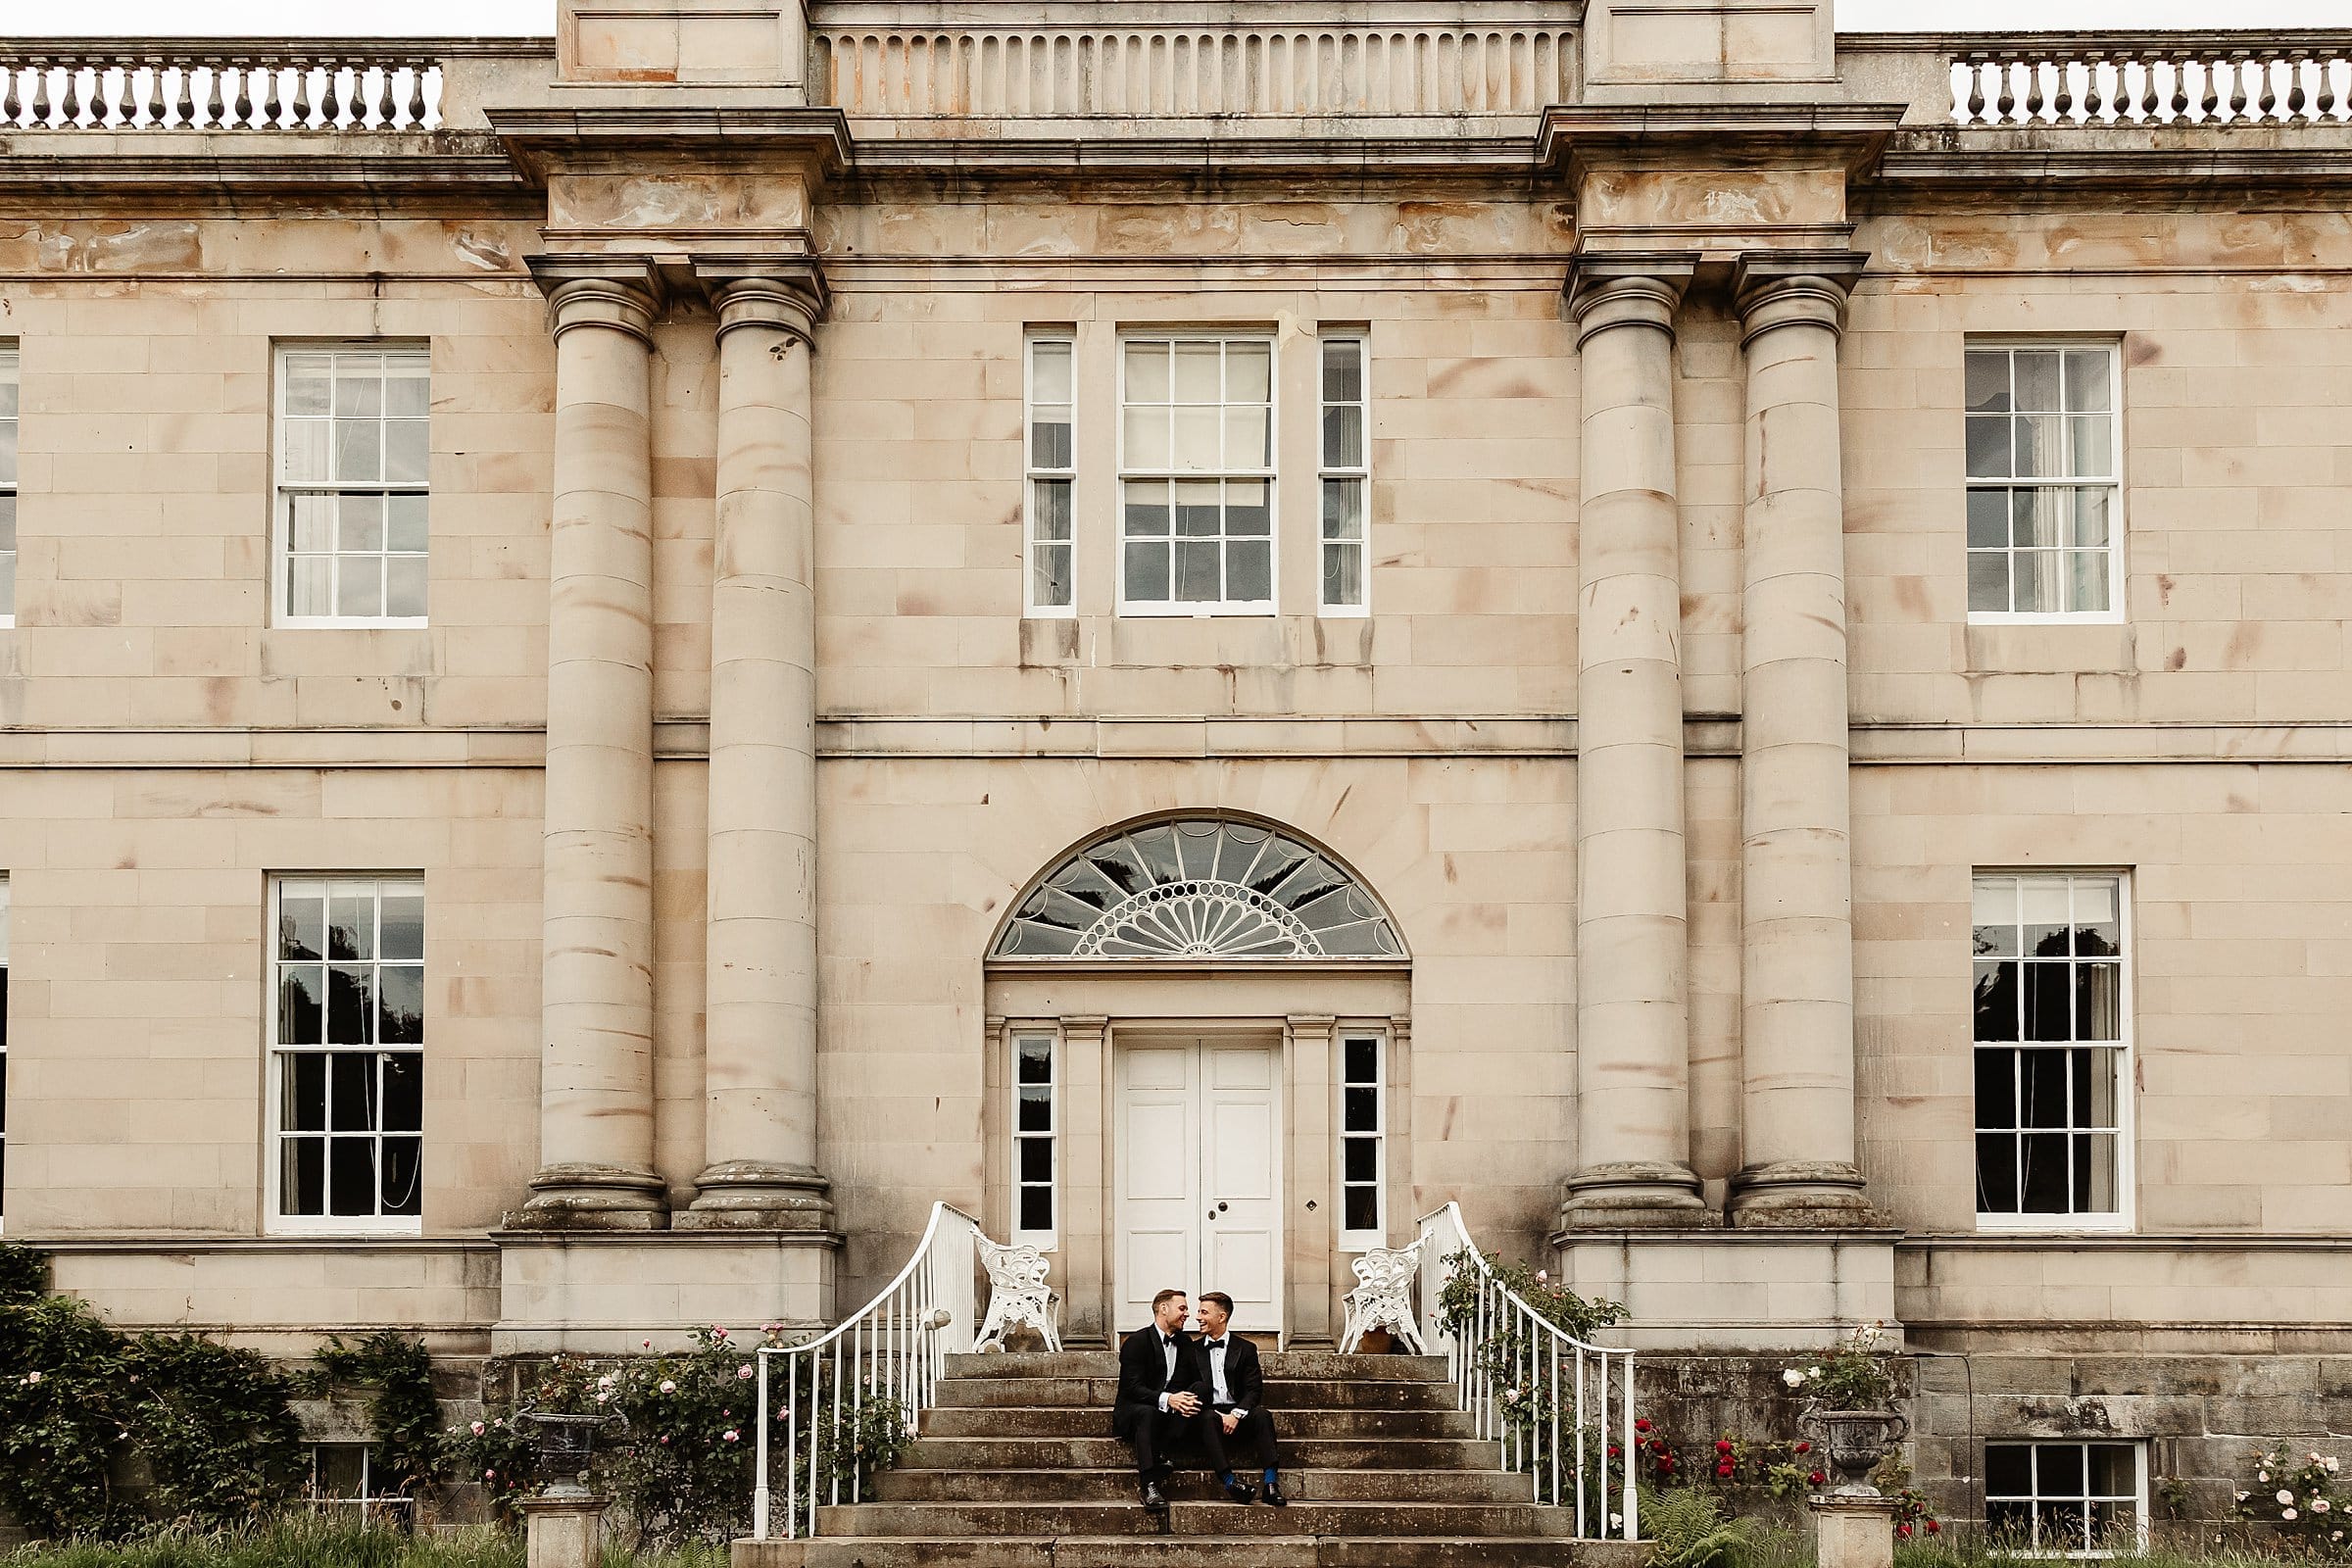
[318, 17]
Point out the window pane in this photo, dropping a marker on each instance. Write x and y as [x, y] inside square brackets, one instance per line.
[2086, 580]
[1988, 519]
[1050, 508]
[1359, 1159]
[403, 1092]
[2098, 1001]
[1343, 436]
[1362, 1208]
[1050, 440]
[2041, 518]
[360, 585]
[1989, 447]
[406, 457]
[2044, 1184]
[360, 522]
[302, 1091]
[399, 1005]
[1249, 374]
[339, 1469]
[310, 384]
[1361, 1060]
[359, 449]
[405, 387]
[351, 1103]
[1036, 1110]
[359, 387]
[1148, 572]
[1360, 1108]
[1996, 1090]
[2095, 1173]
[314, 520]
[1147, 438]
[1050, 583]
[1036, 1061]
[2008, 1470]
[1197, 578]
[2048, 914]
[2089, 517]
[2039, 439]
[1147, 505]
[1037, 1159]
[2093, 440]
[1989, 382]
[1342, 371]
[1996, 1001]
[302, 1176]
[301, 924]
[1146, 372]
[1343, 575]
[2113, 1472]
[1248, 510]
[403, 932]
[1343, 509]
[350, 1004]
[2088, 385]
[1989, 580]
[350, 1176]
[2040, 580]
[2049, 1002]
[1198, 445]
[1037, 1208]
[301, 1014]
[309, 586]
[2058, 1470]
[1996, 1173]
[1250, 569]
[2036, 381]
[404, 585]
[2098, 925]
[305, 443]
[1198, 376]
[1050, 372]
[402, 1190]
[1197, 511]
[2042, 1088]
[405, 523]
[1247, 443]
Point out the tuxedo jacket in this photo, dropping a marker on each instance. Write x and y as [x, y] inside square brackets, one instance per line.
[1144, 1376]
[1245, 1374]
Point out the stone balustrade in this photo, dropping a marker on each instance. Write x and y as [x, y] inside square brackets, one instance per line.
[261, 85]
[2188, 79]
[1080, 70]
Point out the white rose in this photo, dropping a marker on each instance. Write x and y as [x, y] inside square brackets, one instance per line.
[2286, 1497]
[2286, 1514]
[2243, 1495]
[2330, 1464]
[668, 1387]
[1792, 1377]
[2319, 1505]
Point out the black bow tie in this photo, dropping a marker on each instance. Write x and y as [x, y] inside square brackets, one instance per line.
[1166, 1340]
[1212, 1345]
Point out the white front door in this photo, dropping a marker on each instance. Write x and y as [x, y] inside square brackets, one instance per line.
[1198, 1177]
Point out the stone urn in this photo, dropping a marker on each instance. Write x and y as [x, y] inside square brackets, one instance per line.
[1853, 1441]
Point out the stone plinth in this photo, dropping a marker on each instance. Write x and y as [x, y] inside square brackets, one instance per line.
[603, 1292]
[1735, 1291]
[1849, 1531]
[564, 1531]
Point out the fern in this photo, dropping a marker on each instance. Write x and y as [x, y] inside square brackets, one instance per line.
[1690, 1531]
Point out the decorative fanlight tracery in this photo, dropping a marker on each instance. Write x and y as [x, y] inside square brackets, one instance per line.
[1206, 887]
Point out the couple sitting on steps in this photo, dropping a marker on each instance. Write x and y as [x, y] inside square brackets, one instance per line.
[1211, 1390]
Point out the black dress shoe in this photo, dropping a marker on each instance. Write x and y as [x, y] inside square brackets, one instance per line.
[1274, 1497]
[1240, 1491]
[1154, 1500]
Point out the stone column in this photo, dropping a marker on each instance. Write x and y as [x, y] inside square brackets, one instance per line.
[759, 1051]
[1086, 1202]
[1796, 887]
[595, 1086]
[1632, 993]
[1311, 1193]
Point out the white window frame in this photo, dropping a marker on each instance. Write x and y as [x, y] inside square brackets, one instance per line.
[1044, 1241]
[283, 489]
[1328, 473]
[2117, 525]
[370, 1499]
[2123, 1218]
[1360, 1240]
[275, 1221]
[1032, 474]
[1186, 610]
[2036, 1500]
[12, 377]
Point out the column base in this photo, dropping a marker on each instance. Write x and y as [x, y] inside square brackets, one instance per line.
[563, 1529]
[592, 1293]
[1851, 1531]
[583, 1196]
[1801, 1195]
[1635, 1195]
[750, 1195]
[1734, 1292]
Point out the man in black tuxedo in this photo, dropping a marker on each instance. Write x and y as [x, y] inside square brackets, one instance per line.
[1237, 1420]
[1163, 1394]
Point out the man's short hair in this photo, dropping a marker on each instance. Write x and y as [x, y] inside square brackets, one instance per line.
[1162, 1300]
[1224, 1301]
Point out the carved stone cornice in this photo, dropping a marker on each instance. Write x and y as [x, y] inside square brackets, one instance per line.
[714, 134]
[1676, 135]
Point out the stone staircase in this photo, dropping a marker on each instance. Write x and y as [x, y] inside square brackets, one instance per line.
[1015, 1467]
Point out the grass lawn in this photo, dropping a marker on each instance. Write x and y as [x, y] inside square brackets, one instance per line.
[311, 1541]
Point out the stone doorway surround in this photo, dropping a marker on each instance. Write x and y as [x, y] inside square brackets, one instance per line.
[1304, 1004]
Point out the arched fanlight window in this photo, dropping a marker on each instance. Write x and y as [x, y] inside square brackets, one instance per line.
[1200, 887]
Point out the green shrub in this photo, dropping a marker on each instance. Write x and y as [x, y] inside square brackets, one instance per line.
[411, 1448]
[24, 1274]
[1689, 1529]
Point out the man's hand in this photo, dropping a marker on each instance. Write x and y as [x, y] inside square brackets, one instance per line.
[1185, 1404]
[1232, 1420]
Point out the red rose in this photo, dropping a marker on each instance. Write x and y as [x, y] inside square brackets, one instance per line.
[1903, 1531]
[1934, 1529]
[1722, 1444]
[1815, 1479]
[1613, 1451]
[1641, 1423]
[1724, 1469]
[1804, 1447]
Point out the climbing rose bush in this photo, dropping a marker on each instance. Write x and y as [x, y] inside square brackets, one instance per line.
[2302, 1496]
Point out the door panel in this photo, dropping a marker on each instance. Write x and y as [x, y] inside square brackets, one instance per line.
[1199, 1178]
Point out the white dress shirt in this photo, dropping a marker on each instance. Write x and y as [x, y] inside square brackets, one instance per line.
[1219, 1393]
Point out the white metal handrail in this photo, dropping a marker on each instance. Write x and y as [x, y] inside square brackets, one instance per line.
[895, 1347]
[1537, 1389]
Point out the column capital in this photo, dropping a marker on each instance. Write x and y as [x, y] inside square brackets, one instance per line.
[786, 293]
[1607, 290]
[623, 292]
[1790, 288]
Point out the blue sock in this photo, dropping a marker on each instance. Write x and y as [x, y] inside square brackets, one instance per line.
[1269, 1475]
[1225, 1478]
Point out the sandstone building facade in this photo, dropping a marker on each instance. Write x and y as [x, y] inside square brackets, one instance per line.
[1196, 630]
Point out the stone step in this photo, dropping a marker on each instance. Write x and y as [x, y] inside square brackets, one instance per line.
[1387, 1519]
[1282, 1394]
[966, 1421]
[1110, 1484]
[1187, 1552]
[1107, 1452]
[1097, 1364]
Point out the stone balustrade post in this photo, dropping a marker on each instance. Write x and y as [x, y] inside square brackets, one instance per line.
[1632, 987]
[596, 1085]
[1796, 874]
[759, 1053]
